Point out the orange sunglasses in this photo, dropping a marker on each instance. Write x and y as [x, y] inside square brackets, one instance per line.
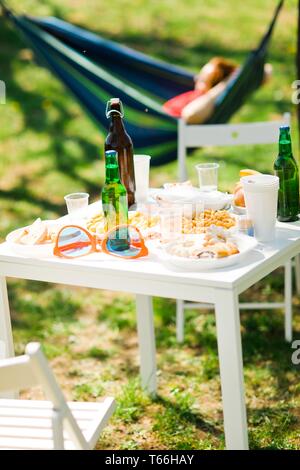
[123, 241]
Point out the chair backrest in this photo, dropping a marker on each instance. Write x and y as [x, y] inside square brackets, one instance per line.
[217, 135]
[32, 369]
[231, 134]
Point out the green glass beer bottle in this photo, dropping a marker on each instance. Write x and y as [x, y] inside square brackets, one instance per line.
[286, 169]
[114, 200]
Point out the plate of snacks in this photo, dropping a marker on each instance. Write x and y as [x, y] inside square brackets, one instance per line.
[147, 223]
[217, 248]
[36, 239]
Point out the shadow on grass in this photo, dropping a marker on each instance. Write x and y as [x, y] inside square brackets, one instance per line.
[184, 414]
[263, 334]
[263, 346]
[273, 428]
[36, 307]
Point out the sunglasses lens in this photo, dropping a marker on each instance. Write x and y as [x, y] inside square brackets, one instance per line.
[124, 241]
[73, 242]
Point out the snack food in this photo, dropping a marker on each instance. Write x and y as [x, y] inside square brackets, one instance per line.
[215, 244]
[200, 222]
[238, 194]
[248, 172]
[35, 234]
[141, 220]
[149, 224]
[97, 224]
[238, 198]
[215, 234]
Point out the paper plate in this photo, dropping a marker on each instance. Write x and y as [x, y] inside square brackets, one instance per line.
[42, 250]
[245, 245]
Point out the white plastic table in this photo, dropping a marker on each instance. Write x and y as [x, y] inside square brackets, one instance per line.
[148, 277]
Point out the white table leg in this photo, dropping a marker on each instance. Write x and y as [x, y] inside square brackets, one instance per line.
[146, 335]
[288, 294]
[6, 338]
[231, 369]
[180, 320]
[297, 271]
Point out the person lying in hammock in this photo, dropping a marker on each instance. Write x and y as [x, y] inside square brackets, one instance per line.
[196, 106]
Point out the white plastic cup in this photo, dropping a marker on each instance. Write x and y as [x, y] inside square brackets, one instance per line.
[141, 174]
[261, 197]
[77, 204]
[208, 176]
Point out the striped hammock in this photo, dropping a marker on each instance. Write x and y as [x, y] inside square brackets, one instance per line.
[95, 69]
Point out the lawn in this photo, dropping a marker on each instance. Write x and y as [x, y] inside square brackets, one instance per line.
[48, 147]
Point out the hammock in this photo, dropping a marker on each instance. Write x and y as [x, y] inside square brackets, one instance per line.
[95, 69]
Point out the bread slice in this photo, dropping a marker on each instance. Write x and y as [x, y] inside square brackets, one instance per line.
[35, 234]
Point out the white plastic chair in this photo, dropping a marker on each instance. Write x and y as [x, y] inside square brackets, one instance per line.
[191, 136]
[45, 425]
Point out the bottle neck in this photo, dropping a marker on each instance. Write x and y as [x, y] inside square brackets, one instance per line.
[116, 123]
[285, 149]
[112, 174]
[285, 144]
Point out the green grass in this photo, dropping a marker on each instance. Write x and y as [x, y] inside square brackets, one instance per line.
[48, 147]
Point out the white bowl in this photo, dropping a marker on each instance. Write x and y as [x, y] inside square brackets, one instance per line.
[215, 200]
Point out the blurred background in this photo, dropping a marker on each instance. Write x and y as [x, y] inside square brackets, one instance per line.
[49, 147]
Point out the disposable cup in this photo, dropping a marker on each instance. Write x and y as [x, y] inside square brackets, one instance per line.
[171, 222]
[77, 204]
[261, 197]
[208, 176]
[141, 174]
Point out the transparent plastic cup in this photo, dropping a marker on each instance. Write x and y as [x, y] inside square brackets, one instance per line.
[77, 204]
[141, 174]
[208, 176]
[171, 222]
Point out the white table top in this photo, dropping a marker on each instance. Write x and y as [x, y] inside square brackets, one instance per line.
[256, 265]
